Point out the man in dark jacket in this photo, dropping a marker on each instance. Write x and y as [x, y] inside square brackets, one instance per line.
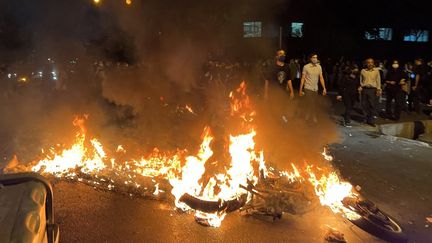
[348, 85]
[394, 80]
[295, 72]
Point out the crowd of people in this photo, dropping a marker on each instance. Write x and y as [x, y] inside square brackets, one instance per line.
[406, 87]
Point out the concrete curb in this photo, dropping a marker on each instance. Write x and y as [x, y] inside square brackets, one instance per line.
[417, 130]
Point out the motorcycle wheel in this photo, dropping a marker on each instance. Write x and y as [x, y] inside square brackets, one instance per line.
[375, 221]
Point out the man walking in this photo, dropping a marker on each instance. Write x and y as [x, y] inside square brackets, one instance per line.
[279, 74]
[370, 88]
[311, 75]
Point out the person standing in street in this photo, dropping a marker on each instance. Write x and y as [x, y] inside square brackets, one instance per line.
[295, 72]
[312, 75]
[417, 89]
[370, 89]
[280, 74]
[348, 84]
[394, 80]
[406, 88]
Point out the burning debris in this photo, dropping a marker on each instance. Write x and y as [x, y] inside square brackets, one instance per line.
[245, 182]
[334, 235]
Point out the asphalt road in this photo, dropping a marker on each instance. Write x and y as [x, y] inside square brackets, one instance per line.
[88, 215]
[394, 173]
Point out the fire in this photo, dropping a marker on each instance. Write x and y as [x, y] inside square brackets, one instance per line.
[192, 172]
[77, 157]
[331, 191]
[158, 164]
[292, 176]
[120, 149]
[189, 109]
[186, 173]
[241, 104]
[213, 219]
[241, 171]
[128, 2]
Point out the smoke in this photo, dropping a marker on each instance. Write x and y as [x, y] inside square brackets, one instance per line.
[288, 136]
[164, 44]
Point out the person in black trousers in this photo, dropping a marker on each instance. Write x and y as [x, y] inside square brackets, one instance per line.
[370, 89]
[348, 85]
[394, 80]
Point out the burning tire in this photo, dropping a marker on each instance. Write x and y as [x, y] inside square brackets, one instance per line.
[214, 206]
[374, 221]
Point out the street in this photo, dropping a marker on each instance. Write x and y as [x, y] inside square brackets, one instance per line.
[388, 179]
[188, 121]
[87, 215]
[394, 173]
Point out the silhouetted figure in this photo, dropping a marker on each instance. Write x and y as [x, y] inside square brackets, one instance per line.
[280, 74]
[348, 85]
[394, 80]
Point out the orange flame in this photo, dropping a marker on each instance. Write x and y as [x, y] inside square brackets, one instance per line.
[329, 188]
[77, 157]
[185, 172]
[331, 191]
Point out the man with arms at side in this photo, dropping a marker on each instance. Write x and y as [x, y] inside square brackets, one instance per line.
[312, 75]
[370, 88]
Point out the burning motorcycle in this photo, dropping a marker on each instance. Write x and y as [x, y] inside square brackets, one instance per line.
[275, 195]
[375, 221]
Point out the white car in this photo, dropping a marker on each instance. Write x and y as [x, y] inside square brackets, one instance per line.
[26, 209]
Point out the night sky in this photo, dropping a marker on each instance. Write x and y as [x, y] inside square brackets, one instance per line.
[115, 30]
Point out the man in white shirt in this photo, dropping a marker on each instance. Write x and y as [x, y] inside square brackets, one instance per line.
[370, 88]
[311, 75]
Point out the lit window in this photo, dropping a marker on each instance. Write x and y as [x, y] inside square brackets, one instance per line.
[252, 29]
[379, 34]
[297, 30]
[417, 36]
